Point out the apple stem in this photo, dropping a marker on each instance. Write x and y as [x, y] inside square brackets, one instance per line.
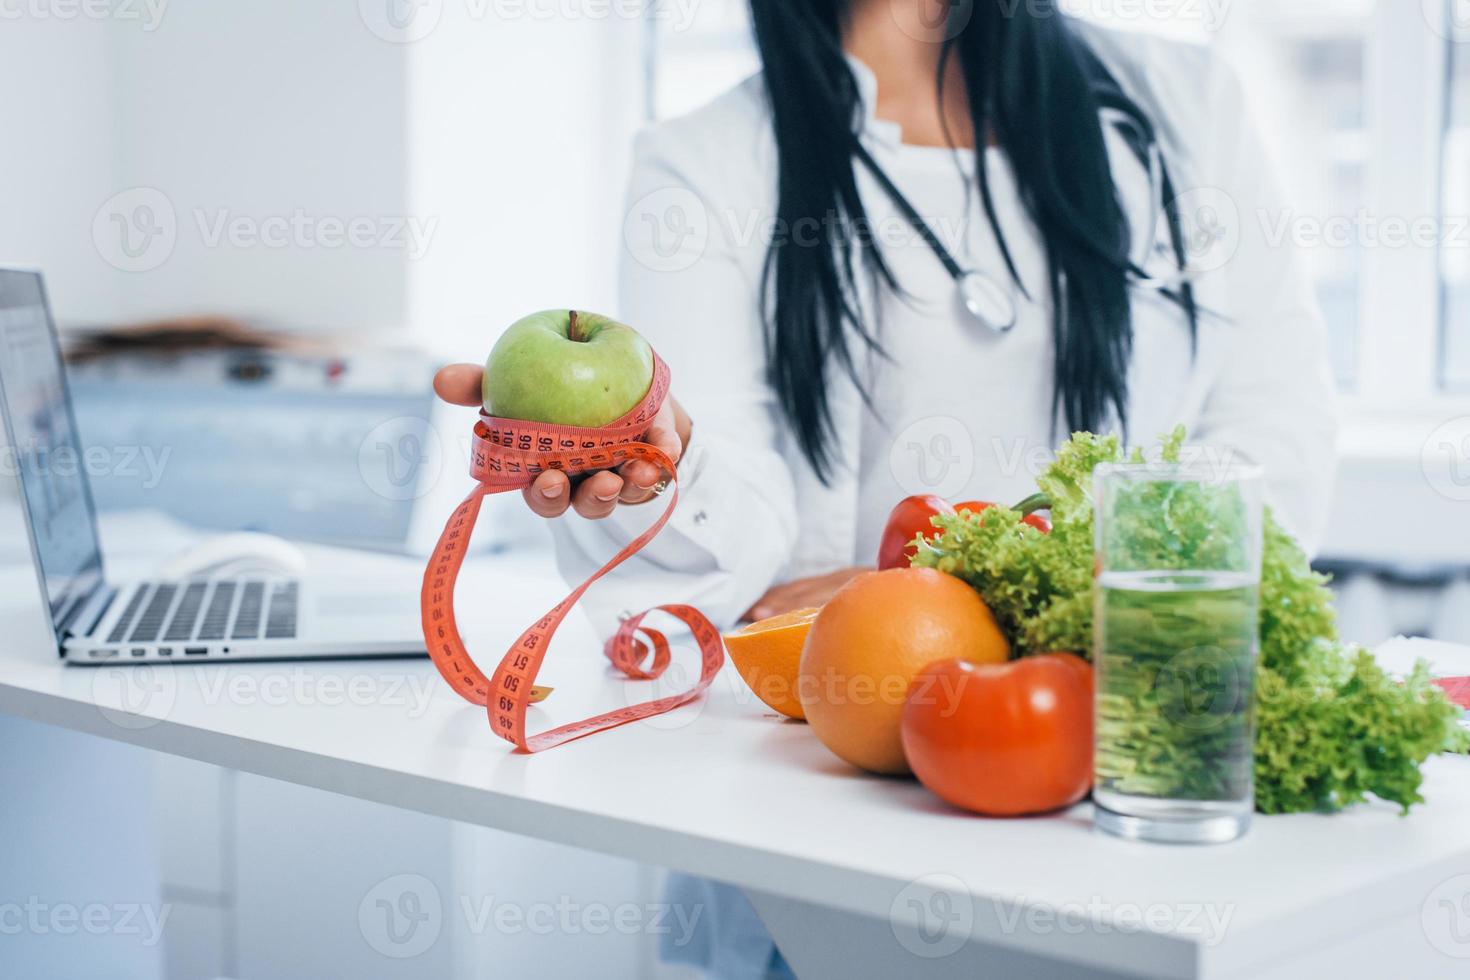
[572, 328]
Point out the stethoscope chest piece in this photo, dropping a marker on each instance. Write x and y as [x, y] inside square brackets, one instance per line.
[988, 301]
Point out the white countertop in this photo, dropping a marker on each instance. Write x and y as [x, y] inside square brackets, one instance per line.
[725, 789]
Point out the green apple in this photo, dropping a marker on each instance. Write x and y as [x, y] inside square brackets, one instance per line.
[568, 368]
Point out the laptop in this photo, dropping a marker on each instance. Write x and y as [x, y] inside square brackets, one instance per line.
[99, 621]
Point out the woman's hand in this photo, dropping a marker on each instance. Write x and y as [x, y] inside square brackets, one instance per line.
[800, 594]
[599, 493]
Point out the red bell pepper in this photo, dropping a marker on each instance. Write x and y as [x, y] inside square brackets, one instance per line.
[908, 519]
[912, 517]
[1027, 507]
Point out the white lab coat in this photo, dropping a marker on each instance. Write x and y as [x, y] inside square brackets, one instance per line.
[753, 513]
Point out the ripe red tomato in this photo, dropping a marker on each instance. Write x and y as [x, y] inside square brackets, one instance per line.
[1035, 520]
[1002, 739]
[909, 518]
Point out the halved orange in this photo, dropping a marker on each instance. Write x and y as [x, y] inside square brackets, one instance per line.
[768, 656]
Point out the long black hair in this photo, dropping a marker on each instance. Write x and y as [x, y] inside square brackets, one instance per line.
[1036, 90]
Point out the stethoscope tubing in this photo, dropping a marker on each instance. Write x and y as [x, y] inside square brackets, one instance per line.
[977, 288]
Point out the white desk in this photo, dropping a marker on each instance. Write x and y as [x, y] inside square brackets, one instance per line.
[841, 866]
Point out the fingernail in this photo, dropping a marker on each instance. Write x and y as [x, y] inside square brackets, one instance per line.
[759, 612]
[551, 491]
[611, 496]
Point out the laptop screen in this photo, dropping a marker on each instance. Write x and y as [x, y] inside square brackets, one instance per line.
[44, 448]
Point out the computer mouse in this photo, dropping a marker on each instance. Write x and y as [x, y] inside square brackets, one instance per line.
[240, 553]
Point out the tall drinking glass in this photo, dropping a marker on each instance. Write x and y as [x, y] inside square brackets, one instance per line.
[1177, 609]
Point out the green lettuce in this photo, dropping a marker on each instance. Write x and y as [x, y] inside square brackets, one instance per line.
[1332, 727]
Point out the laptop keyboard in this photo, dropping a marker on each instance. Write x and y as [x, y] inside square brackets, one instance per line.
[248, 610]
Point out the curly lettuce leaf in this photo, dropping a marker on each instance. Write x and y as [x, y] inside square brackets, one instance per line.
[1331, 727]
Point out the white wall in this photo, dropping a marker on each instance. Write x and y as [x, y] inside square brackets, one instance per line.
[79, 891]
[510, 140]
[259, 110]
[58, 162]
[519, 139]
[500, 145]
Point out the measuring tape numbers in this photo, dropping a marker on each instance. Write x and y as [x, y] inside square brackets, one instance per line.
[508, 454]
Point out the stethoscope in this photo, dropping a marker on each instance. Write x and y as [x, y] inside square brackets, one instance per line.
[992, 301]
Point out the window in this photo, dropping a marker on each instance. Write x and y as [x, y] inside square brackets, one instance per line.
[1455, 253]
[1305, 76]
[1351, 97]
[695, 59]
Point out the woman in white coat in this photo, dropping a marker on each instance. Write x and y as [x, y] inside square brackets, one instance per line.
[802, 250]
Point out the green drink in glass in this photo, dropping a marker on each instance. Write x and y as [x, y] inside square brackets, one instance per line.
[1175, 637]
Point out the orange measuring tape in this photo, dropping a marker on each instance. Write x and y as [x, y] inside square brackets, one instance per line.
[507, 454]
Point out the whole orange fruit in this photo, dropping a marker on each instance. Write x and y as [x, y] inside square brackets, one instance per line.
[869, 641]
[768, 654]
